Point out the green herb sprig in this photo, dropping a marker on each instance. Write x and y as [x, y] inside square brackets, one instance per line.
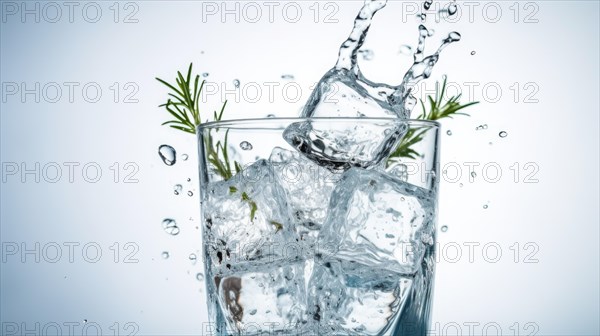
[438, 109]
[183, 105]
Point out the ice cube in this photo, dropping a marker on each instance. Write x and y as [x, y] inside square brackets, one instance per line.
[264, 299]
[308, 188]
[340, 145]
[347, 298]
[379, 221]
[341, 94]
[246, 218]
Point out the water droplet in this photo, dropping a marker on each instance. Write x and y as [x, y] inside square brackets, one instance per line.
[452, 9]
[165, 255]
[473, 52]
[449, 132]
[287, 77]
[200, 277]
[252, 312]
[473, 174]
[190, 193]
[206, 74]
[270, 116]
[367, 54]
[193, 258]
[85, 321]
[236, 83]
[177, 189]
[485, 206]
[481, 127]
[427, 4]
[430, 32]
[189, 179]
[503, 134]
[405, 50]
[184, 157]
[454, 37]
[444, 228]
[167, 154]
[170, 226]
[245, 145]
[460, 185]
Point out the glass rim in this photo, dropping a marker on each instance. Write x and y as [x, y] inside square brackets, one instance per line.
[239, 122]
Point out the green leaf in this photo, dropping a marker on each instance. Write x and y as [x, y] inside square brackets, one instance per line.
[278, 226]
[438, 109]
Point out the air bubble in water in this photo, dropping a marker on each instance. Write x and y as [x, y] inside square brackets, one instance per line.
[287, 77]
[200, 277]
[206, 74]
[405, 50]
[190, 193]
[85, 321]
[189, 179]
[167, 154]
[473, 52]
[165, 255]
[481, 127]
[485, 206]
[252, 312]
[473, 174]
[444, 228]
[184, 157]
[177, 189]
[236, 83]
[449, 132]
[193, 258]
[170, 226]
[270, 116]
[503, 134]
[245, 145]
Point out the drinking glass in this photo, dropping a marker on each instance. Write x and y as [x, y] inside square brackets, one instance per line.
[292, 246]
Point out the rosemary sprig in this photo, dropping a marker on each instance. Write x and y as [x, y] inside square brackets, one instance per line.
[438, 109]
[183, 105]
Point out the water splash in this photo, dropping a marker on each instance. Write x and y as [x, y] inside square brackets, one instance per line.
[398, 98]
[167, 154]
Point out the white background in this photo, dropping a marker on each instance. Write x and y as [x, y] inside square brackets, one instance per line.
[547, 284]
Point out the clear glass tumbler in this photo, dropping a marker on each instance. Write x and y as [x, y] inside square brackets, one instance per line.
[294, 245]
